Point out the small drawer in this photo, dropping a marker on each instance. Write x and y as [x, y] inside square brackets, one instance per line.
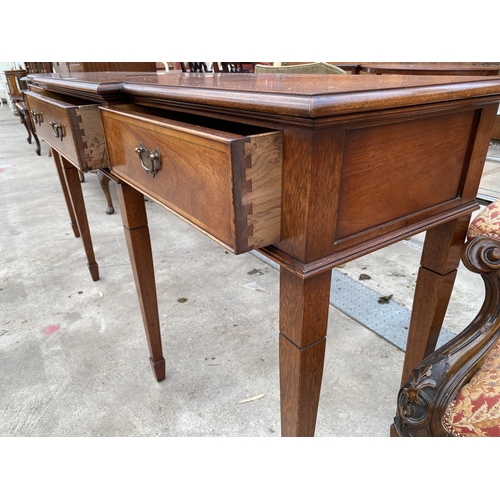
[224, 178]
[75, 130]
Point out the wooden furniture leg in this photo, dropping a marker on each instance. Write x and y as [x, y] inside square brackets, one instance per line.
[26, 121]
[135, 224]
[22, 116]
[304, 304]
[38, 148]
[104, 182]
[67, 198]
[74, 190]
[436, 277]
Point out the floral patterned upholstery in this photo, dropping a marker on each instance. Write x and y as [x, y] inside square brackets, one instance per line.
[487, 222]
[476, 409]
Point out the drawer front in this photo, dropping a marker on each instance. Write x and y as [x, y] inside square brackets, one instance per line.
[227, 185]
[75, 131]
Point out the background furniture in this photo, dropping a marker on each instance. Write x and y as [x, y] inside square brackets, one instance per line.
[196, 67]
[77, 67]
[433, 68]
[234, 67]
[38, 67]
[455, 391]
[26, 121]
[217, 67]
[305, 161]
[15, 83]
[317, 68]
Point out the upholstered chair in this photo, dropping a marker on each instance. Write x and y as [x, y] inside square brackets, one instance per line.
[456, 390]
[308, 68]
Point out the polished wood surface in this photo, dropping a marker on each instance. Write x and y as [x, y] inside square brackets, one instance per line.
[25, 117]
[77, 67]
[346, 139]
[432, 68]
[75, 130]
[15, 83]
[135, 224]
[70, 179]
[307, 96]
[225, 183]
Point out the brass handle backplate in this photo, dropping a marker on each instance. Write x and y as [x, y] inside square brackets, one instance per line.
[37, 116]
[150, 160]
[57, 129]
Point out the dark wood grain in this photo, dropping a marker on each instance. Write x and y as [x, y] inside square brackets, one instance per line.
[104, 182]
[366, 161]
[25, 117]
[76, 67]
[72, 177]
[15, 83]
[82, 137]
[284, 95]
[304, 304]
[311, 175]
[227, 184]
[301, 372]
[67, 197]
[432, 68]
[135, 225]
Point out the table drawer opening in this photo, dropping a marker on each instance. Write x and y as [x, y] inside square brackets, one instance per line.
[74, 130]
[222, 177]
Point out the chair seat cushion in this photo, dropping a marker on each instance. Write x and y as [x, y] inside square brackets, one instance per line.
[487, 222]
[476, 409]
[315, 68]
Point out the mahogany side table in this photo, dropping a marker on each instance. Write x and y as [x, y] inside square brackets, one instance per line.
[312, 171]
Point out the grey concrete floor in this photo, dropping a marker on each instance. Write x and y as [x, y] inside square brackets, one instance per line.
[73, 354]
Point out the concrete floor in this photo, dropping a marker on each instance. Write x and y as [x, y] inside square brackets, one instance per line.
[73, 354]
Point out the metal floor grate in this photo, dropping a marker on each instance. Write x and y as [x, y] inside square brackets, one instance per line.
[389, 320]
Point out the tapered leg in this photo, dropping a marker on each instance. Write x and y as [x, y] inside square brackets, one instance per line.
[436, 277]
[74, 190]
[67, 198]
[304, 304]
[135, 224]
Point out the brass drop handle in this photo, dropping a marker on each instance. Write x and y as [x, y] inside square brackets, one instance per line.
[37, 116]
[57, 129]
[150, 160]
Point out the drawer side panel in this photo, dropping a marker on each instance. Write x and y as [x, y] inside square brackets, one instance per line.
[263, 176]
[89, 137]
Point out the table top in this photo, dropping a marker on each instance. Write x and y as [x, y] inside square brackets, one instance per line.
[306, 96]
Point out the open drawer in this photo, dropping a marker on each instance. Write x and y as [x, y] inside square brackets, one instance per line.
[70, 126]
[222, 177]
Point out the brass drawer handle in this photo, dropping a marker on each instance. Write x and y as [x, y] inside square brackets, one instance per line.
[150, 160]
[37, 116]
[57, 129]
